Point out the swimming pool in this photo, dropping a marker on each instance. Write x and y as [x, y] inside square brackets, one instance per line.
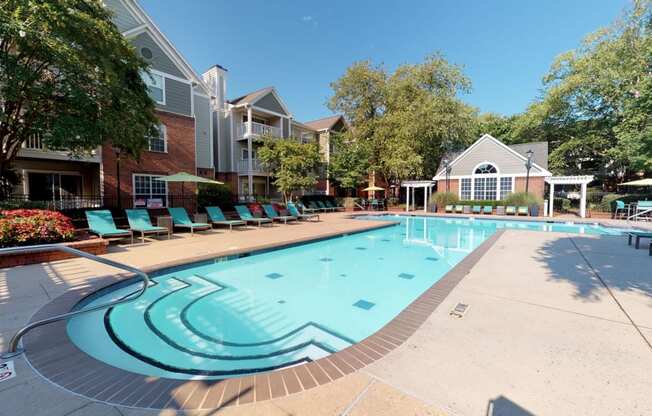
[277, 308]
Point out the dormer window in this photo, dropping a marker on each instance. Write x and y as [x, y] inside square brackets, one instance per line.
[485, 169]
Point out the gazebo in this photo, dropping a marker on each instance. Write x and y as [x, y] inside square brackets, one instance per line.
[412, 186]
[581, 180]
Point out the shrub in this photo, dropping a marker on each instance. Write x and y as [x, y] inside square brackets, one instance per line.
[523, 199]
[444, 198]
[562, 204]
[34, 226]
[213, 195]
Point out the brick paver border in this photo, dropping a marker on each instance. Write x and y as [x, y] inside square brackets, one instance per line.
[53, 355]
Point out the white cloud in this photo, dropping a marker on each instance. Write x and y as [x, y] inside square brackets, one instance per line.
[306, 19]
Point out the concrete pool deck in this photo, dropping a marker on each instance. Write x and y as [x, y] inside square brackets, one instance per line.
[543, 335]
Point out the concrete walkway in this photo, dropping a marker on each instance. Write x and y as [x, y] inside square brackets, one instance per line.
[543, 335]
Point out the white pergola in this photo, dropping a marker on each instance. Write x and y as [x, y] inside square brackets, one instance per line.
[413, 185]
[582, 180]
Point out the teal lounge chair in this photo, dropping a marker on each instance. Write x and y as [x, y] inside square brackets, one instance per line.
[181, 219]
[448, 208]
[487, 209]
[273, 215]
[139, 221]
[510, 210]
[313, 206]
[306, 210]
[329, 204]
[477, 209]
[459, 209]
[522, 210]
[216, 217]
[323, 206]
[294, 211]
[101, 222]
[246, 216]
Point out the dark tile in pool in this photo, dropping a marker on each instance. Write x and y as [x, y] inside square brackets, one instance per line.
[281, 301]
[364, 304]
[325, 259]
[407, 276]
[385, 240]
[381, 258]
[273, 275]
[343, 275]
[361, 248]
[432, 258]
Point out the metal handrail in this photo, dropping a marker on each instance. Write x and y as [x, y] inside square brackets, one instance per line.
[639, 213]
[14, 350]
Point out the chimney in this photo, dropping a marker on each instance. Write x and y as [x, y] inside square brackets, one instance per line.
[215, 77]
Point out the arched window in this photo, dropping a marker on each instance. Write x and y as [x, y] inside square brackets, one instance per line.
[485, 169]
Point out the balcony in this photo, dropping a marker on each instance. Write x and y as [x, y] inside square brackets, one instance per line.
[258, 129]
[35, 148]
[256, 167]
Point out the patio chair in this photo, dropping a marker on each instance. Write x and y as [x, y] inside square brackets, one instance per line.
[246, 216]
[477, 209]
[323, 206]
[294, 211]
[638, 235]
[313, 206]
[304, 209]
[522, 210]
[139, 221]
[459, 209]
[487, 209]
[510, 210]
[448, 208]
[329, 204]
[273, 215]
[181, 219]
[622, 209]
[216, 217]
[101, 222]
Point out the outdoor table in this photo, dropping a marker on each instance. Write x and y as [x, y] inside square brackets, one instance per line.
[166, 222]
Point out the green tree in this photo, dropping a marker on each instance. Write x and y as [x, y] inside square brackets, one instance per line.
[406, 120]
[70, 77]
[349, 162]
[294, 165]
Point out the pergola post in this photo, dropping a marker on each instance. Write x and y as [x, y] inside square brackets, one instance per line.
[425, 200]
[583, 201]
[407, 199]
[551, 203]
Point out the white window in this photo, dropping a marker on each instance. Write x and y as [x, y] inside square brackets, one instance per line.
[506, 186]
[159, 143]
[149, 191]
[465, 189]
[245, 154]
[155, 86]
[484, 188]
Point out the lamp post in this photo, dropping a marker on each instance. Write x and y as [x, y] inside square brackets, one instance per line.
[118, 153]
[528, 166]
[447, 169]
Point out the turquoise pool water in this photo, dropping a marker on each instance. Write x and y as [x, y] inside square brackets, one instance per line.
[277, 308]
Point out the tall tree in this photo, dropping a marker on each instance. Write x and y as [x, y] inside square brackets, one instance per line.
[348, 166]
[70, 77]
[292, 164]
[406, 119]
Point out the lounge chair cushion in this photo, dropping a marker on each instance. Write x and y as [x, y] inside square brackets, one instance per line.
[139, 221]
[180, 218]
[101, 222]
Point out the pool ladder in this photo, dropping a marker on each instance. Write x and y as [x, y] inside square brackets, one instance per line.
[14, 350]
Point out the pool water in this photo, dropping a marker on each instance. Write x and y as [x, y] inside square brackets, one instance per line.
[278, 308]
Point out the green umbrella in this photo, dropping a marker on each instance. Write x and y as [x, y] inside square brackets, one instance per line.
[186, 177]
[640, 182]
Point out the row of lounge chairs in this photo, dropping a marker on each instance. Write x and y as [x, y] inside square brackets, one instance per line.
[487, 209]
[101, 222]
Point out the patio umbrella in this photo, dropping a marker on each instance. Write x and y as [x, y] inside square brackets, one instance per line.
[186, 177]
[373, 189]
[639, 182]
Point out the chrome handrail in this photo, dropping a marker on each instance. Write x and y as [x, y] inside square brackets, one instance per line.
[14, 350]
[639, 213]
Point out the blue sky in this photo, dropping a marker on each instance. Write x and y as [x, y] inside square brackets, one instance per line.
[300, 47]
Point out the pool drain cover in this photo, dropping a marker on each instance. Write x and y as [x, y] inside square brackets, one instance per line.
[459, 310]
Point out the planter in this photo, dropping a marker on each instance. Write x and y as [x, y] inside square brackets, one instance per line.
[92, 246]
[466, 209]
[534, 210]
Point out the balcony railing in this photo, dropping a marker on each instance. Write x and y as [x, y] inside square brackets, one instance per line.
[256, 166]
[258, 129]
[34, 146]
[34, 142]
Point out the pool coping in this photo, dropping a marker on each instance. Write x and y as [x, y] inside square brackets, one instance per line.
[51, 354]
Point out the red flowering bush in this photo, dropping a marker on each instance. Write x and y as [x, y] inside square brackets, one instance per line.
[23, 227]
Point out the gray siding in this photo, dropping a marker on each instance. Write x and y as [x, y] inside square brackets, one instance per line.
[177, 98]
[487, 150]
[159, 61]
[285, 128]
[121, 16]
[203, 132]
[270, 103]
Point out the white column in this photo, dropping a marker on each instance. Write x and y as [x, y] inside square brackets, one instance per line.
[425, 200]
[414, 199]
[583, 202]
[552, 199]
[249, 121]
[407, 199]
